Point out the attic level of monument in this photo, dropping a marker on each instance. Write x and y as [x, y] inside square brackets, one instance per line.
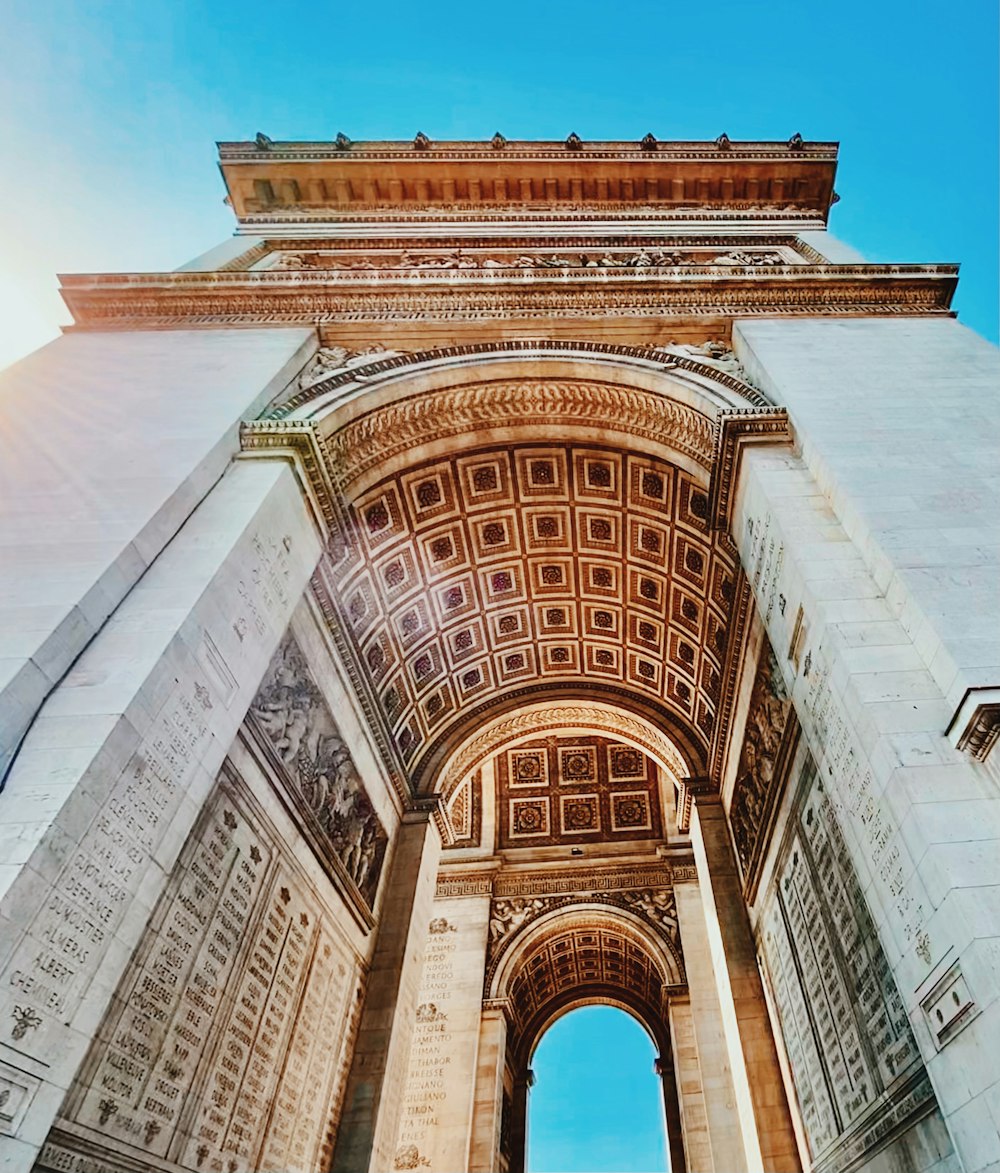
[423, 244]
[264, 177]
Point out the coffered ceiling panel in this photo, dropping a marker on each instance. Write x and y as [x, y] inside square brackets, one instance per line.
[499, 568]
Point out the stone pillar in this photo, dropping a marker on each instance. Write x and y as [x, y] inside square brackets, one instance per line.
[712, 1136]
[523, 1083]
[487, 1107]
[884, 572]
[762, 1107]
[113, 773]
[436, 1120]
[691, 1094]
[370, 1122]
[664, 1068]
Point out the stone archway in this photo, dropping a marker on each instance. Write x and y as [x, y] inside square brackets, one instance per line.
[589, 953]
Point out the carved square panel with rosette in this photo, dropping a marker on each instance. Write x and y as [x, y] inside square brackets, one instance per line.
[552, 576]
[579, 814]
[630, 811]
[529, 818]
[604, 789]
[626, 763]
[577, 764]
[548, 528]
[528, 767]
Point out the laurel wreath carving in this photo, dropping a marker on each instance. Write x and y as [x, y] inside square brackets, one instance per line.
[388, 431]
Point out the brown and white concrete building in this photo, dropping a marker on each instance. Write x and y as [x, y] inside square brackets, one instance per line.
[503, 577]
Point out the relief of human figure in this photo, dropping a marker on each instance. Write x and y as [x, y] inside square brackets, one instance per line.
[509, 915]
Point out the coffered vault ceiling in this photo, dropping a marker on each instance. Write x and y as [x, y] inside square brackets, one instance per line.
[500, 570]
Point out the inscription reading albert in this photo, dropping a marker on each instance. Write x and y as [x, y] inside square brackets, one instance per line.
[315, 768]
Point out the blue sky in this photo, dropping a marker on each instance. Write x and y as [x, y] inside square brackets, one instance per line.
[596, 1103]
[112, 107]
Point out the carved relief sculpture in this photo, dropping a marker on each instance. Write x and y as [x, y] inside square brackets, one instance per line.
[318, 771]
[763, 762]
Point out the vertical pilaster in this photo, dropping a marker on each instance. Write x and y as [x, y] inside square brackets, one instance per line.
[370, 1121]
[664, 1067]
[523, 1083]
[717, 1147]
[690, 1093]
[762, 1107]
[487, 1108]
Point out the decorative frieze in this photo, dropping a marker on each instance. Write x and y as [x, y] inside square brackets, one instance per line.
[316, 773]
[140, 301]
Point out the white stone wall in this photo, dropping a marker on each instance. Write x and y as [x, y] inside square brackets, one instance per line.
[835, 251]
[897, 423]
[922, 821]
[109, 442]
[115, 770]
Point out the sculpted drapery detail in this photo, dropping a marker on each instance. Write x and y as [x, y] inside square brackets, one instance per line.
[317, 771]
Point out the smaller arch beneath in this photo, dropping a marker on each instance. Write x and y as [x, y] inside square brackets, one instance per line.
[565, 715]
[588, 953]
[587, 998]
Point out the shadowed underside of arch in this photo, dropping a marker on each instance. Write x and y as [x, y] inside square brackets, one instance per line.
[586, 956]
[514, 527]
[477, 581]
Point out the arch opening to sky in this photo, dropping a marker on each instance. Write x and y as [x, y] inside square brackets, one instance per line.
[597, 1104]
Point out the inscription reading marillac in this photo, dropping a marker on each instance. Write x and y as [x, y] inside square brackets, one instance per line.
[227, 1041]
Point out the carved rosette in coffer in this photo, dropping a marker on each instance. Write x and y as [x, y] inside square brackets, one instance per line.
[227, 1041]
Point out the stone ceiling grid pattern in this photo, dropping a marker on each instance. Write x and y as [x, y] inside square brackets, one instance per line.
[581, 959]
[501, 568]
[575, 790]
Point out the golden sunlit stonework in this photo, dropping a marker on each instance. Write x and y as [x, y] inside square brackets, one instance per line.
[504, 577]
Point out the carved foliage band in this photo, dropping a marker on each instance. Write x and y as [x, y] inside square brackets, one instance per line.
[390, 431]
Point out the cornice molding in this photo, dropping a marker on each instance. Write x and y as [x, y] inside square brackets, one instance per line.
[524, 149]
[135, 301]
[734, 430]
[975, 727]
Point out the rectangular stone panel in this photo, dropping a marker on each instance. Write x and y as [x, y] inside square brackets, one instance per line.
[859, 1078]
[436, 1121]
[315, 774]
[227, 1041]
